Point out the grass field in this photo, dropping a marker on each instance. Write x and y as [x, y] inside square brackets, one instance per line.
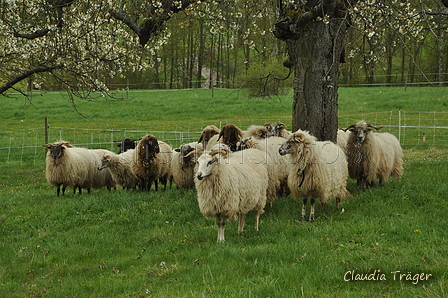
[133, 244]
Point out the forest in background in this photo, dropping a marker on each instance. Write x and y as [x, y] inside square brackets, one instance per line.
[229, 62]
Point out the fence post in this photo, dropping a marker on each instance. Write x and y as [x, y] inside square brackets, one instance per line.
[46, 130]
[399, 126]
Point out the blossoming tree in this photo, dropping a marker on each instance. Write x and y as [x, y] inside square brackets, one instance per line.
[77, 40]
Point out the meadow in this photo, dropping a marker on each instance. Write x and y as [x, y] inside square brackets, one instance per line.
[158, 244]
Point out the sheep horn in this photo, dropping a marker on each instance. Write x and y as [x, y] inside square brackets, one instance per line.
[351, 126]
[281, 125]
[377, 128]
[193, 152]
[220, 151]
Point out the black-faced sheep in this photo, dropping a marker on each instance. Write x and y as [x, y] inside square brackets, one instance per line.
[126, 144]
[120, 167]
[230, 135]
[317, 170]
[373, 155]
[207, 133]
[151, 162]
[226, 186]
[183, 163]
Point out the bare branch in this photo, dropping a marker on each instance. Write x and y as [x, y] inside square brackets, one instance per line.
[27, 74]
[35, 34]
[126, 20]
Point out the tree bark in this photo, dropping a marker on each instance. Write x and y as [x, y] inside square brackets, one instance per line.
[315, 43]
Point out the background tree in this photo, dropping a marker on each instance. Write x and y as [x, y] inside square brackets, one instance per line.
[82, 45]
[79, 43]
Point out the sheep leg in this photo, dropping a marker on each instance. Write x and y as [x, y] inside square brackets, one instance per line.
[257, 220]
[221, 221]
[241, 223]
[312, 210]
[142, 184]
[58, 190]
[303, 217]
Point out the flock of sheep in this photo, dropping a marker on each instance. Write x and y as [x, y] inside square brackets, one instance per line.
[236, 171]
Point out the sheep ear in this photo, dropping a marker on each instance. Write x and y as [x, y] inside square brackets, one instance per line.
[177, 150]
[298, 139]
[220, 135]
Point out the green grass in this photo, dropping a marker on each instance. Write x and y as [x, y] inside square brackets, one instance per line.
[133, 244]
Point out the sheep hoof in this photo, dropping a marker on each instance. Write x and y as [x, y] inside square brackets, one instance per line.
[311, 218]
[302, 218]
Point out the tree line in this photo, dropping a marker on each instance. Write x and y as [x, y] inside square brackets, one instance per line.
[312, 45]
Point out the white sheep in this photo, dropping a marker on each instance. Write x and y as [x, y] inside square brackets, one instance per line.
[183, 163]
[120, 167]
[151, 162]
[68, 167]
[277, 129]
[342, 138]
[227, 185]
[257, 131]
[373, 155]
[101, 178]
[276, 164]
[317, 170]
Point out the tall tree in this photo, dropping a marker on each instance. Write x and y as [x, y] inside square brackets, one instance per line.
[314, 32]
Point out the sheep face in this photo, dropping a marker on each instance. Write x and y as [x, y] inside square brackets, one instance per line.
[104, 162]
[126, 144]
[55, 150]
[361, 130]
[230, 135]
[207, 134]
[297, 143]
[275, 129]
[205, 165]
[148, 148]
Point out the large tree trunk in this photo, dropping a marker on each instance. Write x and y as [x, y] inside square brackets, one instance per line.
[314, 35]
[315, 56]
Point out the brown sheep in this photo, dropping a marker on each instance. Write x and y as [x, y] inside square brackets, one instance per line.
[230, 135]
[207, 133]
[150, 162]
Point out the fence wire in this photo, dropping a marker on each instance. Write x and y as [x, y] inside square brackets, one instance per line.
[419, 130]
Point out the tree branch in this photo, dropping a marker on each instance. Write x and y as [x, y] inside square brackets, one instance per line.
[27, 74]
[288, 27]
[35, 34]
[126, 20]
[152, 25]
